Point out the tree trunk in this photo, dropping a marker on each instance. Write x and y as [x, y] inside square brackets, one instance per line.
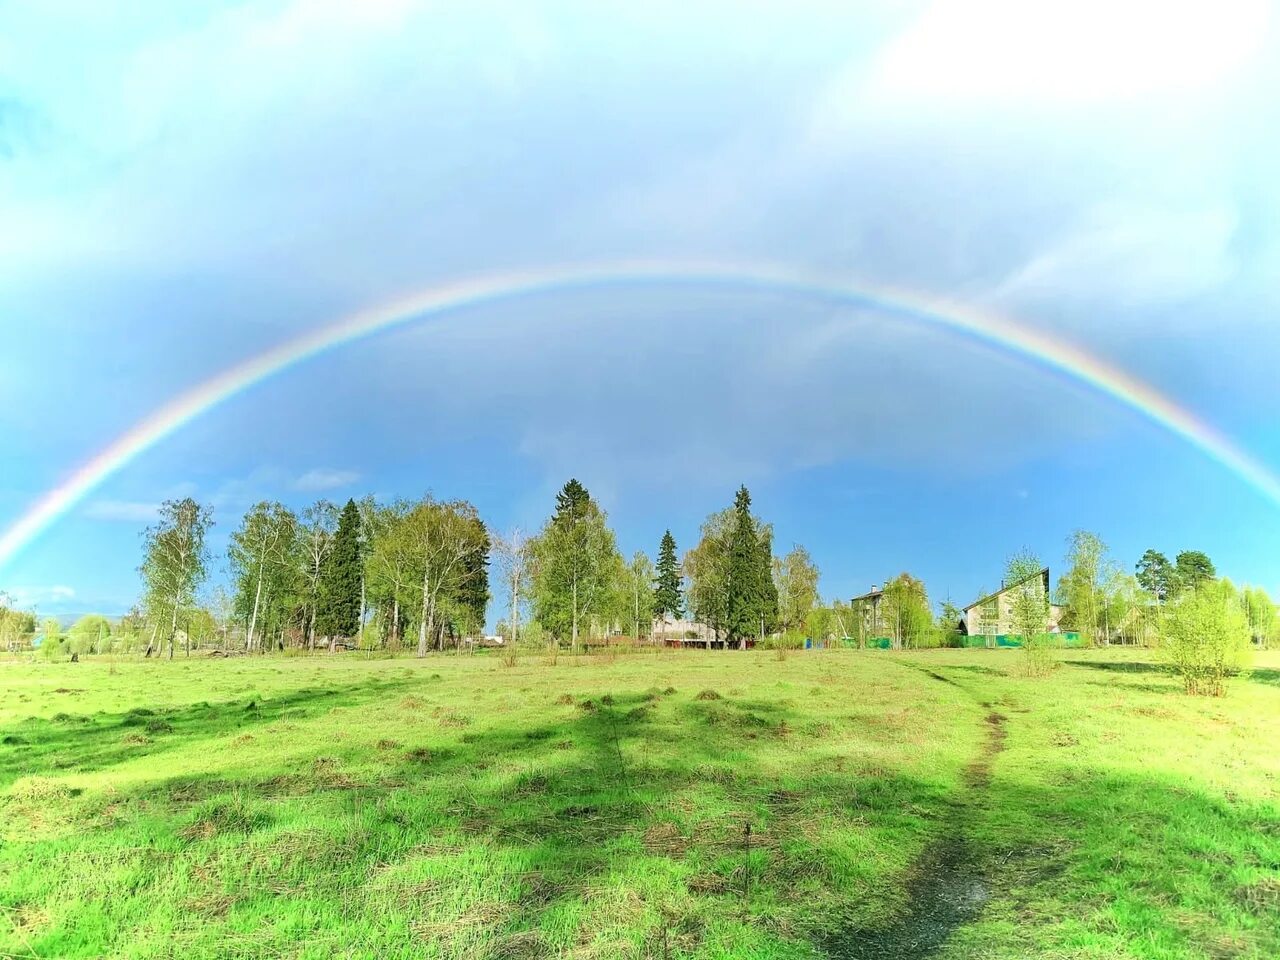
[253, 620]
[515, 607]
[574, 642]
[423, 626]
[395, 623]
[360, 622]
[173, 628]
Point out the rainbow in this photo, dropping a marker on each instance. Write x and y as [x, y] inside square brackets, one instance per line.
[1051, 353]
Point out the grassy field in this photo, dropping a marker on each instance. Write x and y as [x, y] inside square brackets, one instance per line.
[900, 805]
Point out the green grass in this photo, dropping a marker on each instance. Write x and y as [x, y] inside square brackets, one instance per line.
[459, 808]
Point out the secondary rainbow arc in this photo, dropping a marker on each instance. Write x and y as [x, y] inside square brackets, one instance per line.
[1050, 352]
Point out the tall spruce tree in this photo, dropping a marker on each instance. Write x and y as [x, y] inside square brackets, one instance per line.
[572, 503]
[746, 600]
[667, 601]
[338, 610]
[474, 593]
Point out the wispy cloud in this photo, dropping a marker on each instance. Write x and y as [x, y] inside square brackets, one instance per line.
[38, 596]
[128, 511]
[324, 478]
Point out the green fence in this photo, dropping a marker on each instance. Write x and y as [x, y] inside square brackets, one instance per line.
[1068, 639]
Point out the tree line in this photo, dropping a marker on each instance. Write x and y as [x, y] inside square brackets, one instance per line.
[420, 574]
[416, 574]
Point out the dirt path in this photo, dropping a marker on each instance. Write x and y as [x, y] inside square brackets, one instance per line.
[946, 887]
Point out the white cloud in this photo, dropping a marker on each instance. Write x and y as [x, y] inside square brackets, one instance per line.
[324, 478]
[24, 597]
[1129, 256]
[129, 511]
[1081, 51]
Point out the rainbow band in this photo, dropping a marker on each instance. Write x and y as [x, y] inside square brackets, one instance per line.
[1049, 352]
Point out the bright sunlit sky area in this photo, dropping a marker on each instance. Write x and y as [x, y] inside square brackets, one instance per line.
[186, 185]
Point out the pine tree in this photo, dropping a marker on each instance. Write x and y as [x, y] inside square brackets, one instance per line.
[338, 612]
[667, 601]
[745, 594]
[767, 615]
[474, 595]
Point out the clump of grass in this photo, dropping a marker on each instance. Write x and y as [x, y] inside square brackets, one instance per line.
[225, 815]
[31, 790]
[1261, 897]
[137, 717]
[452, 719]
[607, 700]
[419, 755]
[12, 740]
[708, 695]
[386, 744]
[565, 699]
[412, 703]
[159, 726]
[136, 740]
[589, 705]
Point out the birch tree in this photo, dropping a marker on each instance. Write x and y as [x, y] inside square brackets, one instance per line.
[515, 556]
[638, 595]
[260, 553]
[389, 565]
[796, 579]
[576, 564]
[443, 541]
[174, 558]
[1029, 610]
[315, 541]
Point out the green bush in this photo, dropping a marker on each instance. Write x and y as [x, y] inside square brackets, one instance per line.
[54, 648]
[791, 640]
[1206, 638]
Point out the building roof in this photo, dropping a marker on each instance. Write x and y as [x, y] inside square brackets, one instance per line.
[873, 593]
[1004, 588]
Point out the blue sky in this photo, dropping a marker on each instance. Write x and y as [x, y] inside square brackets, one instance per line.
[182, 185]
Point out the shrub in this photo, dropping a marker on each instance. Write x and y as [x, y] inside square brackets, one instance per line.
[791, 640]
[54, 648]
[1206, 638]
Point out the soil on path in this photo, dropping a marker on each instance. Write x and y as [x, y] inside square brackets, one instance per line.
[946, 886]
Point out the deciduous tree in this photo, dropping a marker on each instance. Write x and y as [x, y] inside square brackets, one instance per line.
[1206, 637]
[577, 564]
[260, 552]
[174, 557]
[795, 577]
[1082, 587]
[1029, 610]
[638, 594]
[905, 611]
[515, 557]
[315, 542]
